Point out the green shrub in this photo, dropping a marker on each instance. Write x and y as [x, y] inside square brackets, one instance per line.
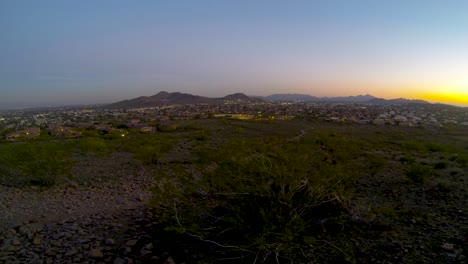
[463, 160]
[260, 199]
[147, 148]
[35, 163]
[407, 159]
[440, 165]
[418, 173]
[96, 145]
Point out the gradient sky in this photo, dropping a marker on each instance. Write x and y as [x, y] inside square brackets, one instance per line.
[67, 52]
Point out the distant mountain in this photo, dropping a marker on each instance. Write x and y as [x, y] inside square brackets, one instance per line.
[291, 97]
[395, 101]
[309, 98]
[236, 97]
[176, 98]
[362, 99]
[349, 99]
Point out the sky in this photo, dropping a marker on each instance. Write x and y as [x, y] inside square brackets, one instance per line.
[80, 52]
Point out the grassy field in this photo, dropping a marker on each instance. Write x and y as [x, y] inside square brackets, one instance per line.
[282, 191]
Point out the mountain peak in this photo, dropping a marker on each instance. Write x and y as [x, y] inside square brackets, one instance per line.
[236, 97]
[176, 98]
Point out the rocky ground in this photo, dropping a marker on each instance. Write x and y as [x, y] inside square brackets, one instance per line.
[100, 222]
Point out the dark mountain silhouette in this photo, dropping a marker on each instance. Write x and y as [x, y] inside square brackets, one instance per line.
[237, 97]
[362, 99]
[176, 98]
[381, 101]
[291, 97]
[309, 98]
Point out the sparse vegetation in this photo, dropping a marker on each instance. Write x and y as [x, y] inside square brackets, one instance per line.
[269, 191]
[418, 173]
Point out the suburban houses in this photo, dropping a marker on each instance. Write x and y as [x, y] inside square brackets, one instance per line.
[72, 122]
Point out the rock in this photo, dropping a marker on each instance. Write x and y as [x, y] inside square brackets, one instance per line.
[169, 261]
[11, 248]
[109, 242]
[16, 242]
[31, 228]
[149, 246]
[10, 232]
[119, 261]
[51, 252]
[131, 243]
[447, 246]
[37, 240]
[144, 252]
[71, 252]
[95, 253]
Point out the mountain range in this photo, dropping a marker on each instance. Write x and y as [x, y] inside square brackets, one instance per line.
[177, 98]
[365, 99]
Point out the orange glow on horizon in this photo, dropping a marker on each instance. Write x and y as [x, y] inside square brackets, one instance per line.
[446, 97]
[452, 94]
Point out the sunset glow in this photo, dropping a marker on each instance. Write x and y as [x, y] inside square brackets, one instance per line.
[456, 98]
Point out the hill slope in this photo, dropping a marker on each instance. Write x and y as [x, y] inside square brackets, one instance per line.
[176, 98]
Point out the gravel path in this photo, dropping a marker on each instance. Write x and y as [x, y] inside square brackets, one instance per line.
[101, 222]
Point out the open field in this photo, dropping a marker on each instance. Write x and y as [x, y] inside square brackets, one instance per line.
[276, 191]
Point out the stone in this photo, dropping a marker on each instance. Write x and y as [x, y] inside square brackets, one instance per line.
[149, 246]
[37, 240]
[145, 252]
[169, 261]
[51, 252]
[10, 232]
[109, 242]
[16, 242]
[447, 246]
[119, 261]
[131, 243]
[71, 253]
[95, 253]
[11, 248]
[31, 228]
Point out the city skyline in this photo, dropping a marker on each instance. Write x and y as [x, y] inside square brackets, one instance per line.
[56, 52]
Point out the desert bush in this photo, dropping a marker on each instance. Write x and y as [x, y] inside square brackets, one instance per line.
[418, 173]
[96, 145]
[462, 160]
[200, 136]
[407, 159]
[35, 163]
[440, 165]
[267, 201]
[147, 148]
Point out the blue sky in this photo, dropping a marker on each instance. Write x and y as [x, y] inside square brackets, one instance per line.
[55, 52]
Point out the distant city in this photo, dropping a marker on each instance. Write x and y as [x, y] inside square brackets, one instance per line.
[143, 112]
